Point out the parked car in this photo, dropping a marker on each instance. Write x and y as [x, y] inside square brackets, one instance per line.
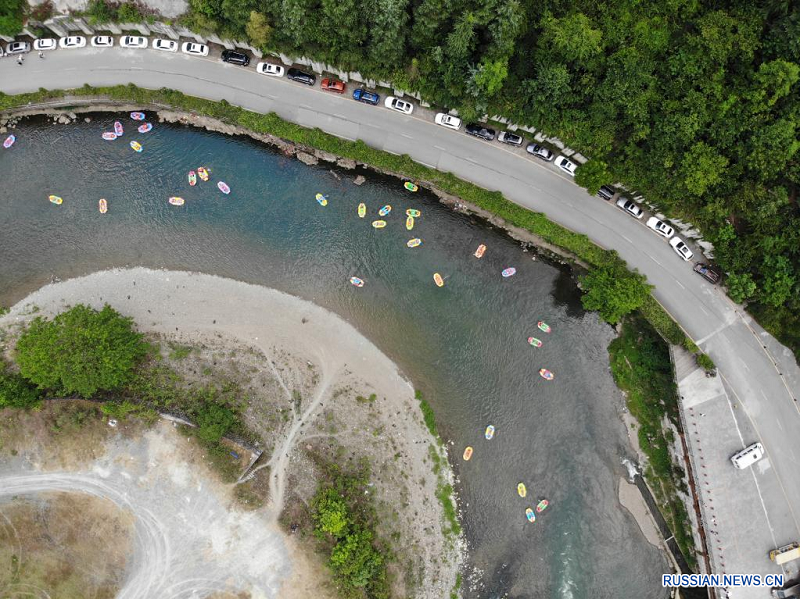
[399, 105]
[165, 45]
[47, 43]
[234, 57]
[482, 131]
[447, 120]
[630, 207]
[102, 41]
[681, 248]
[748, 456]
[333, 85]
[660, 227]
[267, 68]
[606, 192]
[368, 97]
[566, 165]
[301, 76]
[73, 41]
[133, 41]
[194, 49]
[540, 152]
[512, 139]
[18, 48]
[708, 272]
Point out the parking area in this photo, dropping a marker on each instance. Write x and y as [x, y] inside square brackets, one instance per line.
[744, 514]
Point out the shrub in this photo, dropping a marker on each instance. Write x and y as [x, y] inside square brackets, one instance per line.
[16, 392]
[213, 421]
[80, 351]
[11, 12]
[704, 361]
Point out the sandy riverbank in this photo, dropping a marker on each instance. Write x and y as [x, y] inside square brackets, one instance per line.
[315, 362]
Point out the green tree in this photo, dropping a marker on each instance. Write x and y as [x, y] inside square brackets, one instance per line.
[389, 21]
[128, 13]
[331, 513]
[614, 292]
[258, 30]
[740, 287]
[593, 175]
[80, 351]
[573, 36]
[11, 12]
[355, 559]
[702, 168]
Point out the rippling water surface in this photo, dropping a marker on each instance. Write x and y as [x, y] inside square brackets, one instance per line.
[463, 345]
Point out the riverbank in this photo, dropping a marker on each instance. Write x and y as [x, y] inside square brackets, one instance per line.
[319, 392]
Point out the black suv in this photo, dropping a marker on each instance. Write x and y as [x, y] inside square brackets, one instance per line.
[708, 272]
[301, 76]
[234, 57]
[606, 192]
[478, 130]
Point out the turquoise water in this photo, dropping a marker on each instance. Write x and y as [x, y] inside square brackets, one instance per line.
[464, 345]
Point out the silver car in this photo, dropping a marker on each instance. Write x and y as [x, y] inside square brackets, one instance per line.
[540, 152]
[630, 207]
[18, 48]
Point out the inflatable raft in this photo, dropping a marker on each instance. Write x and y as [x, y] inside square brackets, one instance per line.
[102, 206]
[467, 454]
[410, 186]
[437, 278]
[223, 187]
[109, 136]
[530, 515]
[202, 173]
[322, 199]
[9, 141]
[192, 178]
[543, 326]
[546, 374]
[534, 342]
[356, 281]
[55, 199]
[509, 272]
[489, 432]
[136, 146]
[118, 128]
[480, 251]
[409, 223]
[413, 212]
[412, 243]
[137, 116]
[522, 490]
[146, 128]
[379, 224]
[175, 201]
[385, 210]
[540, 507]
[362, 210]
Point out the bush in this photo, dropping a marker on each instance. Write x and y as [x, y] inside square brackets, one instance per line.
[99, 12]
[704, 361]
[16, 392]
[80, 351]
[11, 12]
[213, 421]
[593, 175]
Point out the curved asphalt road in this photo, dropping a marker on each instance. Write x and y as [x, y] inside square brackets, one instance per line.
[763, 374]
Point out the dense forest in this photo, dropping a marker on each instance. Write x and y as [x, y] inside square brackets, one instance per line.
[694, 104]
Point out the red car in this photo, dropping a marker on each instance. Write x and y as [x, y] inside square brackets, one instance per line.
[333, 85]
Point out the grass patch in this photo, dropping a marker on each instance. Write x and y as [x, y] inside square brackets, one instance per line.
[371, 399]
[427, 415]
[179, 352]
[641, 367]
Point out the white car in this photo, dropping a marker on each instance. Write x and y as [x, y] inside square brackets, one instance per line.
[660, 227]
[18, 48]
[448, 120]
[267, 68]
[102, 41]
[565, 165]
[47, 43]
[399, 105]
[630, 207]
[133, 41]
[73, 41]
[165, 45]
[194, 49]
[681, 248]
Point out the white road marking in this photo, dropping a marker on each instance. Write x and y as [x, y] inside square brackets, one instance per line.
[340, 116]
[426, 164]
[306, 106]
[680, 284]
[440, 148]
[626, 239]
[654, 260]
[780, 426]
[406, 135]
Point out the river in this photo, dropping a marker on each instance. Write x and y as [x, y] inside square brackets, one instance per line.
[464, 345]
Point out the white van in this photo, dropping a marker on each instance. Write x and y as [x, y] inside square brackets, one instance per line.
[748, 456]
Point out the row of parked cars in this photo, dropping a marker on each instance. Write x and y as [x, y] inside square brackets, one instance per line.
[361, 94]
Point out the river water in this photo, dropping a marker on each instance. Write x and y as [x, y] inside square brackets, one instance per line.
[464, 345]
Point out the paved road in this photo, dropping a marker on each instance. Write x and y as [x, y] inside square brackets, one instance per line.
[763, 375]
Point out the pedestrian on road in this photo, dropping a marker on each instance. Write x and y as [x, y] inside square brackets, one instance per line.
[19, 60]
[41, 54]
